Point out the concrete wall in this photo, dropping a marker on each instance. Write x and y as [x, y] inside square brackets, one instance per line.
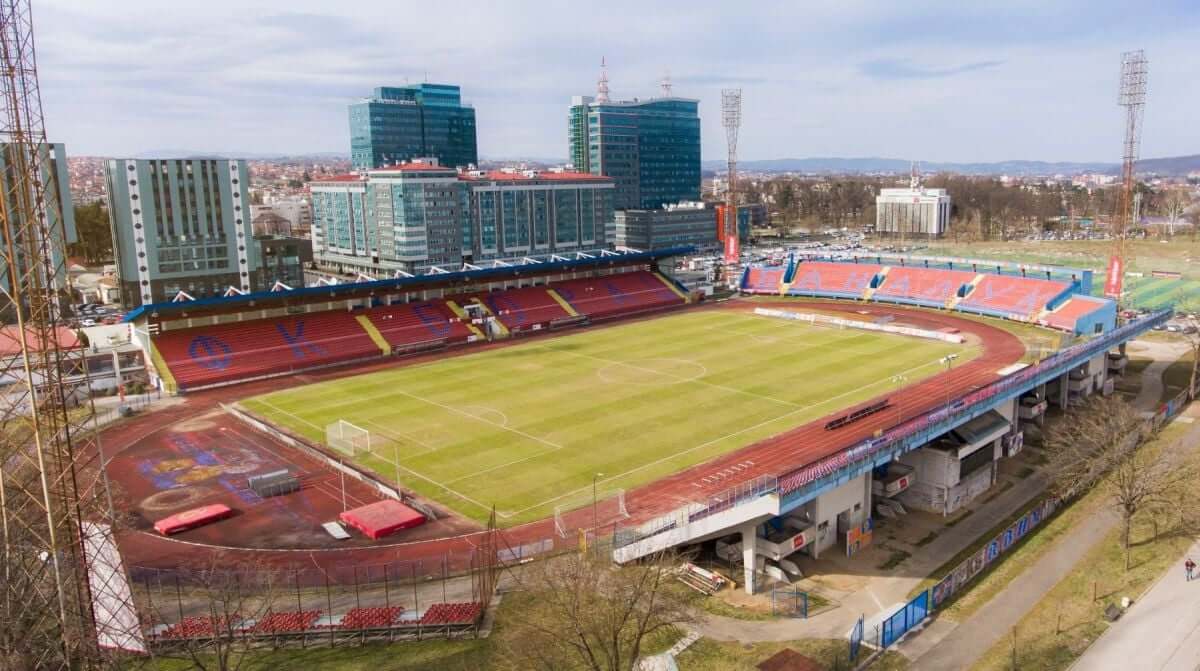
[830, 504]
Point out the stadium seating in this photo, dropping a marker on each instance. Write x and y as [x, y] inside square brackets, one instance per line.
[1067, 315]
[371, 618]
[405, 324]
[848, 280]
[288, 622]
[1009, 296]
[764, 279]
[613, 295]
[197, 627]
[921, 285]
[230, 352]
[451, 613]
[521, 308]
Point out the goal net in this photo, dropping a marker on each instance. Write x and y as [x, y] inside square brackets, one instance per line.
[585, 513]
[347, 438]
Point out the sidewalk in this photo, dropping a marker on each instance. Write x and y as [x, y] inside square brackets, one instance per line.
[1167, 615]
[943, 645]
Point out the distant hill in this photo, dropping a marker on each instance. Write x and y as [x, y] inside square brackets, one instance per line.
[1177, 165]
[249, 155]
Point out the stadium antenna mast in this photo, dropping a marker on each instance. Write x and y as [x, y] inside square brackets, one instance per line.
[56, 550]
[1131, 96]
[665, 84]
[731, 118]
[602, 83]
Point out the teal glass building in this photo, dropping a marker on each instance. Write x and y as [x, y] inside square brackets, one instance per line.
[650, 148]
[402, 123]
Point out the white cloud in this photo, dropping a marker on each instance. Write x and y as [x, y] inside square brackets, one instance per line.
[1020, 80]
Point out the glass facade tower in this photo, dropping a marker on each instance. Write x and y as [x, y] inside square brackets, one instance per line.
[650, 148]
[401, 123]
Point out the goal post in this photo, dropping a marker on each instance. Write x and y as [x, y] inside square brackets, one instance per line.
[347, 438]
[588, 513]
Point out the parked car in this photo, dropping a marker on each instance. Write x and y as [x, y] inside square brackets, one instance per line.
[88, 322]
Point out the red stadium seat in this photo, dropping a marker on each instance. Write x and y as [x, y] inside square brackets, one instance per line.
[371, 618]
[1009, 296]
[930, 285]
[451, 613]
[226, 353]
[816, 278]
[279, 623]
[520, 308]
[613, 295]
[406, 324]
[1067, 314]
[764, 279]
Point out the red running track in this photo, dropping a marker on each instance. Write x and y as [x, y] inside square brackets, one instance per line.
[774, 456]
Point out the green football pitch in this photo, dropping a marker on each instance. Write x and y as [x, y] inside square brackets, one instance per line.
[526, 428]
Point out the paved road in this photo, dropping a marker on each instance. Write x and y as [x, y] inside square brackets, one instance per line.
[1161, 632]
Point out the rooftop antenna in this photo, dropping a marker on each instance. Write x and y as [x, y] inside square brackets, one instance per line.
[602, 84]
[1131, 96]
[666, 84]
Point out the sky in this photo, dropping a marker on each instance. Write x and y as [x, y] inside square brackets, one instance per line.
[935, 81]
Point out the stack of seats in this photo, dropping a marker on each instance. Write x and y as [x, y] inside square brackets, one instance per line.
[196, 627]
[848, 280]
[406, 324]
[522, 308]
[613, 295]
[279, 623]
[764, 279]
[223, 353]
[922, 285]
[371, 618]
[1008, 296]
[451, 613]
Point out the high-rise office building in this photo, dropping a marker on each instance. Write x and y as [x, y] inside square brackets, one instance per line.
[181, 226]
[416, 215]
[402, 123]
[60, 214]
[650, 148]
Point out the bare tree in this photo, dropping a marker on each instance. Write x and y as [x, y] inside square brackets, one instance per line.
[218, 604]
[1102, 446]
[583, 612]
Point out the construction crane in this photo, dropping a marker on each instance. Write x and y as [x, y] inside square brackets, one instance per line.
[52, 494]
[1132, 96]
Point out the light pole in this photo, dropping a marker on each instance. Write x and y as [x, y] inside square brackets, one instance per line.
[949, 361]
[899, 381]
[595, 518]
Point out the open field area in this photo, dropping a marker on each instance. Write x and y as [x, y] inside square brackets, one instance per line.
[1178, 255]
[527, 427]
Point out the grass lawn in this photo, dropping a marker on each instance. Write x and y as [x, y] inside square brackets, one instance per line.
[1066, 620]
[526, 427]
[1144, 256]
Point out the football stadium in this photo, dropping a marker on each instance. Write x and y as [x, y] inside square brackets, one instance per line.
[432, 425]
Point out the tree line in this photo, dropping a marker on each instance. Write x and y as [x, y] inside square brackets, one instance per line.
[982, 208]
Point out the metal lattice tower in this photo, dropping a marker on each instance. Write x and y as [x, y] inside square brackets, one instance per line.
[602, 83]
[731, 119]
[50, 481]
[1132, 96]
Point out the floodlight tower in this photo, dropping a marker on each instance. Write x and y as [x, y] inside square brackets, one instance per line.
[731, 118]
[1132, 97]
[51, 481]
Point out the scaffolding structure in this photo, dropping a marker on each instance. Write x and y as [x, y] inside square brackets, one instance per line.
[50, 480]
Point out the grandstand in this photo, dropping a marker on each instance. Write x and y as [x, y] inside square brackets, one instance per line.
[218, 341]
[1055, 298]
